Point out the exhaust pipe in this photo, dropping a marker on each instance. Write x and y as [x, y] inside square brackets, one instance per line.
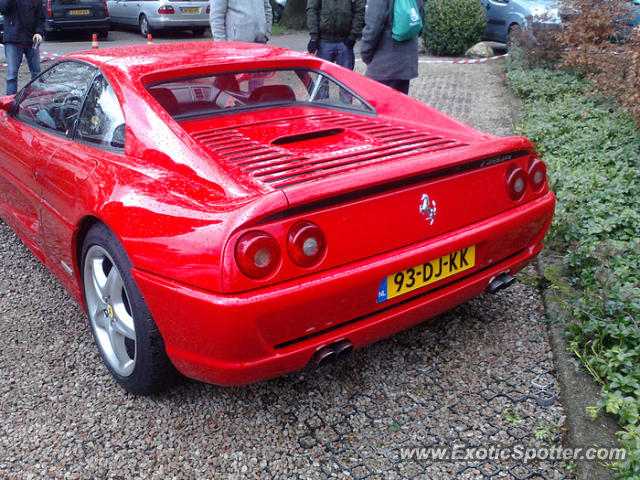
[329, 353]
[323, 356]
[500, 282]
[342, 349]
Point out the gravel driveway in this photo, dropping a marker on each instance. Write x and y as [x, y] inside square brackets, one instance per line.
[481, 374]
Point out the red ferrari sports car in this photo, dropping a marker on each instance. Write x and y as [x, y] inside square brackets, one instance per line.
[235, 211]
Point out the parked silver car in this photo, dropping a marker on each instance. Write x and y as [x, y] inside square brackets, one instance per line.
[150, 15]
[507, 17]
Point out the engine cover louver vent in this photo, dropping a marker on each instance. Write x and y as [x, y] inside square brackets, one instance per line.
[279, 167]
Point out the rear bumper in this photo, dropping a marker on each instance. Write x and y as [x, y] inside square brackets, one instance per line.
[185, 24]
[52, 25]
[238, 339]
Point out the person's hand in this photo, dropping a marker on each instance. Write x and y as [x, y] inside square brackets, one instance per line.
[37, 38]
[349, 42]
[312, 46]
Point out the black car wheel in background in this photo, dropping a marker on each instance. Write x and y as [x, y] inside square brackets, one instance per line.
[91, 16]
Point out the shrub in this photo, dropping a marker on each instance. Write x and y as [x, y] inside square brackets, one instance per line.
[600, 43]
[452, 26]
[535, 47]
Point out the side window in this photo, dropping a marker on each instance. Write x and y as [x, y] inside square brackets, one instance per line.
[101, 121]
[54, 99]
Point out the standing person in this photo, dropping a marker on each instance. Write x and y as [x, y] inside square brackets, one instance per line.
[334, 26]
[388, 61]
[277, 7]
[240, 20]
[23, 31]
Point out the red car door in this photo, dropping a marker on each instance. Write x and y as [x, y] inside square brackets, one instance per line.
[24, 150]
[39, 125]
[98, 137]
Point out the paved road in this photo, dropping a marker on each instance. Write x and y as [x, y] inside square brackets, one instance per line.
[63, 44]
[479, 375]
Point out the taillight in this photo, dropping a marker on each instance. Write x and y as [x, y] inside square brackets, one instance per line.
[208, 9]
[516, 181]
[106, 9]
[257, 254]
[49, 8]
[537, 174]
[166, 9]
[306, 244]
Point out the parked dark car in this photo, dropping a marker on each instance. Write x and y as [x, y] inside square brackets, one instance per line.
[91, 16]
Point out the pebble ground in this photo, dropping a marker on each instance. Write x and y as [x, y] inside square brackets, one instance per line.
[479, 375]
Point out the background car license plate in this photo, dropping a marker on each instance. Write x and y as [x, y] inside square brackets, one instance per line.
[190, 10]
[430, 272]
[79, 12]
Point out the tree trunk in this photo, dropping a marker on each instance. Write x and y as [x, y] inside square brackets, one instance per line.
[293, 15]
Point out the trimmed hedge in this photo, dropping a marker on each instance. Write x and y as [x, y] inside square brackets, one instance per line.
[452, 26]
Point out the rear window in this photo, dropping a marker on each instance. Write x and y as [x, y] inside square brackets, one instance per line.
[229, 92]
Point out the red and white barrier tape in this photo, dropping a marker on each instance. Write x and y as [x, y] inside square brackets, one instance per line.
[475, 60]
[465, 61]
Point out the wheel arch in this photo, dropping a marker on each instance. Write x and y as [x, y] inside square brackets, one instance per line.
[85, 224]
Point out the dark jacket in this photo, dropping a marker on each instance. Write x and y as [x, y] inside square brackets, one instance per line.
[335, 20]
[22, 19]
[387, 59]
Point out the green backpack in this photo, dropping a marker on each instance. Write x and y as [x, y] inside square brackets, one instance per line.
[407, 23]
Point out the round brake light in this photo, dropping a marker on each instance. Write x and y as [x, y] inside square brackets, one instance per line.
[537, 173]
[257, 254]
[516, 181]
[306, 244]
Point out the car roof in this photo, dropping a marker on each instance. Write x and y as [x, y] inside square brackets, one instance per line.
[141, 60]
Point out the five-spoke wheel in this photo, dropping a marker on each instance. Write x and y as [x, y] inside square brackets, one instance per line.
[109, 311]
[127, 337]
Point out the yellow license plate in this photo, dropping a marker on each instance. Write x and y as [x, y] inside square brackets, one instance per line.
[190, 10]
[80, 12]
[416, 277]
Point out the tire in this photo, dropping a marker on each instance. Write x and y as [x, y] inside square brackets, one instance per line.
[513, 36]
[143, 23]
[198, 31]
[103, 34]
[124, 331]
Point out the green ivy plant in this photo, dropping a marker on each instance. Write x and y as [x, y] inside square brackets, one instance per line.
[592, 151]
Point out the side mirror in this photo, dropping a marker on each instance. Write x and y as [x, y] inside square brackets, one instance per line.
[117, 140]
[6, 102]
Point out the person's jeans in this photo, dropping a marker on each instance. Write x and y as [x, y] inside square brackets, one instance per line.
[13, 53]
[336, 52]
